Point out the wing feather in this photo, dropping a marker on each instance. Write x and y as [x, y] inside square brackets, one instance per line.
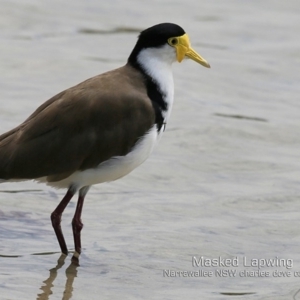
[79, 128]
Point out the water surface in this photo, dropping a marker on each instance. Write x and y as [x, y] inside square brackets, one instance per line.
[223, 182]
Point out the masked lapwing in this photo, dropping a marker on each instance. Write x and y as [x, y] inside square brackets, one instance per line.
[101, 129]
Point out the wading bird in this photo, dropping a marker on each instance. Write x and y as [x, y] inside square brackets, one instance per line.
[101, 129]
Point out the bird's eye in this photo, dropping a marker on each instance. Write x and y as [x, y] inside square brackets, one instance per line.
[173, 41]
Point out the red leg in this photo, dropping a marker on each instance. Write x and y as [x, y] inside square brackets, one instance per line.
[56, 219]
[77, 224]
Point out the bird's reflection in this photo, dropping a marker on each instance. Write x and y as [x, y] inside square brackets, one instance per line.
[71, 273]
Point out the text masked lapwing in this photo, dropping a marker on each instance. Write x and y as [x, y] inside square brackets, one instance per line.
[101, 129]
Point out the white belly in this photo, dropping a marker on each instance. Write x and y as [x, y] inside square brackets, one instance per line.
[114, 168]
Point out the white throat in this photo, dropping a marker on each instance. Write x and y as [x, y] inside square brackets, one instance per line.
[157, 63]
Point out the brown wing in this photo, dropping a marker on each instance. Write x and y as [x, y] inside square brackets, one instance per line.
[79, 128]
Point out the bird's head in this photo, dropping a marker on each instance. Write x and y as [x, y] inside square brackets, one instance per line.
[168, 41]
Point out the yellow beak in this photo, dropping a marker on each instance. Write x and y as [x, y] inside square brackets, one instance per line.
[183, 48]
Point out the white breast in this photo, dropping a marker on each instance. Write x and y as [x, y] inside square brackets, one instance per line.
[157, 63]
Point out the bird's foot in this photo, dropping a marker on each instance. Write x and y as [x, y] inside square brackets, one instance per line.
[75, 258]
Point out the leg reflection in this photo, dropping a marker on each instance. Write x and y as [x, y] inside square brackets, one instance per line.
[71, 273]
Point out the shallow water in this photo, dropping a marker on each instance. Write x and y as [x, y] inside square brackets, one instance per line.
[223, 182]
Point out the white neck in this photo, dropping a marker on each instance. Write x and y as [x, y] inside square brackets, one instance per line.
[157, 63]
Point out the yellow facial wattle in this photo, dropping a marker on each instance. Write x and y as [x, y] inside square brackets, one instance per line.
[183, 49]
